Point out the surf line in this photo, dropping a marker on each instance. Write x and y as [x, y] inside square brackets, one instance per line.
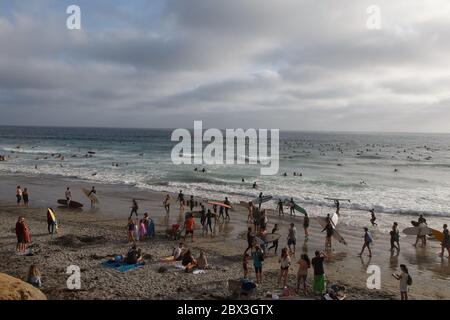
[201, 311]
[252, 147]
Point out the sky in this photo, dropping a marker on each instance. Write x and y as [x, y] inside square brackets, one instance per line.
[284, 64]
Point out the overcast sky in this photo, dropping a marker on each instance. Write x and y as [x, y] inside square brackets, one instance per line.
[288, 64]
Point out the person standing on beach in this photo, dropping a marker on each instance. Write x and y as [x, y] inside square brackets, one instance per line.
[180, 199]
[395, 238]
[93, 192]
[258, 258]
[68, 195]
[302, 274]
[191, 203]
[250, 212]
[221, 213]
[373, 217]
[134, 208]
[421, 234]
[51, 224]
[285, 263]
[319, 273]
[131, 228]
[292, 238]
[405, 281]
[23, 235]
[189, 225]
[280, 208]
[167, 203]
[367, 242]
[292, 207]
[18, 195]
[445, 242]
[275, 242]
[306, 226]
[329, 234]
[25, 197]
[209, 216]
[250, 239]
[338, 206]
[227, 202]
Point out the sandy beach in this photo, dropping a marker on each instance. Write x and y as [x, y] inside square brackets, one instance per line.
[89, 237]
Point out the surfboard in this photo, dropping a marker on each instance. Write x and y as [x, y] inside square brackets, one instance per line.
[338, 199]
[271, 237]
[287, 202]
[91, 197]
[437, 235]
[220, 204]
[414, 231]
[52, 215]
[415, 223]
[73, 204]
[334, 220]
[262, 200]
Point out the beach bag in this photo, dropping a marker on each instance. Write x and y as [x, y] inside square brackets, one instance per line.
[409, 281]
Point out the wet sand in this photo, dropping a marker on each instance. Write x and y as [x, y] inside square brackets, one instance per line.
[89, 237]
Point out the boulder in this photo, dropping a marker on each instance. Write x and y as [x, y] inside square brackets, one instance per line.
[15, 289]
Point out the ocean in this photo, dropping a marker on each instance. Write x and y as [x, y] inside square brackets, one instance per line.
[396, 174]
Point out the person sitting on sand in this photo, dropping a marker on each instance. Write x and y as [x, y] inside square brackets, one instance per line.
[23, 235]
[285, 263]
[189, 225]
[445, 244]
[34, 277]
[405, 281]
[367, 242]
[178, 252]
[131, 228]
[395, 237]
[202, 261]
[303, 265]
[188, 261]
[134, 255]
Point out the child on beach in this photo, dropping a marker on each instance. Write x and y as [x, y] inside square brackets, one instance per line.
[367, 242]
[405, 281]
[142, 230]
[245, 264]
[319, 273]
[303, 265]
[25, 197]
[34, 277]
[285, 263]
[130, 228]
[18, 195]
[445, 242]
[395, 237]
[189, 225]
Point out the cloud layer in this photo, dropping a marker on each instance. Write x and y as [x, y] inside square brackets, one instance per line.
[289, 64]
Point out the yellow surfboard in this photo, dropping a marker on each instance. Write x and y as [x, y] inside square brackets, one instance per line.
[439, 236]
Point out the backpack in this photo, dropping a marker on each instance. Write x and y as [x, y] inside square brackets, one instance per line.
[409, 281]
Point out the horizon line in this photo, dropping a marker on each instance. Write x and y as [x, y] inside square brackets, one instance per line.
[281, 130]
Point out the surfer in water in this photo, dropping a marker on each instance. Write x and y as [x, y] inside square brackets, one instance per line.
[92, 192]
[373, 217]
[254, 185]
[68, 195]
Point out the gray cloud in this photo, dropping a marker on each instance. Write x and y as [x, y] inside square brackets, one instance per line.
[291, 64]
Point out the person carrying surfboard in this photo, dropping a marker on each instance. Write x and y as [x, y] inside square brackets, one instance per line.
[51, 222]
[445, 244]
[329, 233]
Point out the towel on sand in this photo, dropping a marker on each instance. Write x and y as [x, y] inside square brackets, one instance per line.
[121, 266]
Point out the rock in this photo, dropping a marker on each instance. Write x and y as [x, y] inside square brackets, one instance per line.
[162, 269]
[15, 289]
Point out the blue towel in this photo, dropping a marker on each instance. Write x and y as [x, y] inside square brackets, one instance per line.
[122, 267]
